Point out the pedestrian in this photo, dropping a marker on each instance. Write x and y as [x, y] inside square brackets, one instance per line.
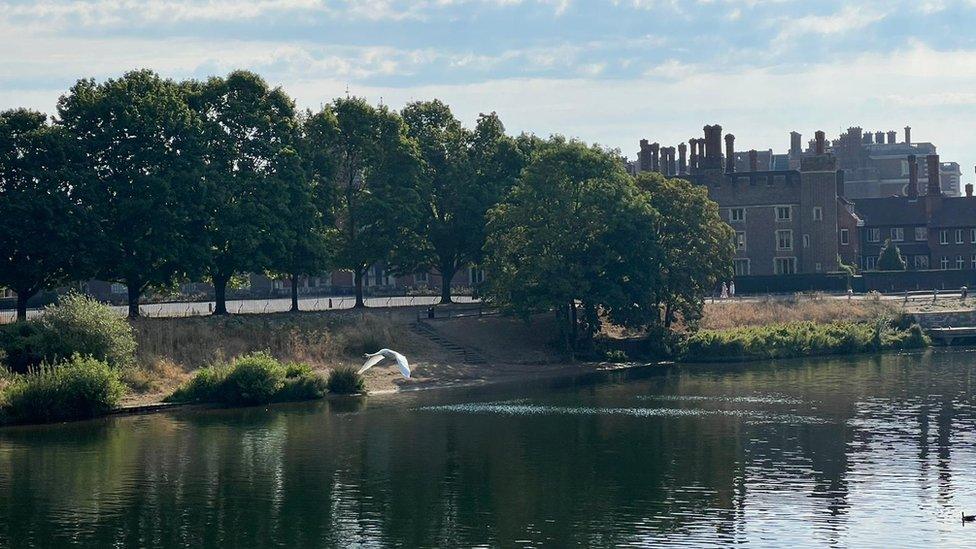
[850, 293]
[732, 289]
[965, 292]
[725, 292]
[330, 302]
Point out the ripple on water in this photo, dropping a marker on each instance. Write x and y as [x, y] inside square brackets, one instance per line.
[755, 399]
[507, 409]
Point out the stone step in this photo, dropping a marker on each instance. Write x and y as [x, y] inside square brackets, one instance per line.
[468, 356]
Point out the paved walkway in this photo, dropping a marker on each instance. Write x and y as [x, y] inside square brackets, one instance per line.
[324, 303]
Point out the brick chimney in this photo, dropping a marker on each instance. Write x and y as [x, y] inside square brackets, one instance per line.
[820, 146]
[753, 161]
[729, 153]
[912, 177]
[796, 145]
[655, 157]
[892, 137]
[935, 184]
[682, 158]
[908, 135]
[879, 138]
[713, 148]
[867, 138]
[693, 161]
[969, 190]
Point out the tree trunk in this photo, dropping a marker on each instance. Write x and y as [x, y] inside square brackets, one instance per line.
[358, 276]
[220, 295]
[22, 296]
[447, 276]
[135, 291]
[294, 293]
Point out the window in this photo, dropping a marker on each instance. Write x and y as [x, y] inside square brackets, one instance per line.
[897, 234]
[477, 276]
[741, 267]
[119, 288]
[779, 180]
[972, 235]
[944, 263]
[784, 240]
[959, 239]
[845, 237]
[740, 240]
[921, 262]
[783, 213]
[817, 213]
[870, 262]
[921, 234]
[972, 263]
[421, 278]
[784, 265]
[943, 237]
[737, 215]
[806, 241]
[818, 267]
[960, 262]
[874, 235]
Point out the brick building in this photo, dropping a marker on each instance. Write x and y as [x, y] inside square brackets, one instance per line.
[786, 212]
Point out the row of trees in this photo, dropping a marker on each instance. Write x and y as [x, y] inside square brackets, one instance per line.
[147, 181]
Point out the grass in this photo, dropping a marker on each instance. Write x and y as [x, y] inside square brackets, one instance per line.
[798, 339]
[816, 308]
[256, 378]
[79, 388]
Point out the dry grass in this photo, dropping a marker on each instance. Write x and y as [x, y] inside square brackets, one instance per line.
[319, 339]
[735, 314]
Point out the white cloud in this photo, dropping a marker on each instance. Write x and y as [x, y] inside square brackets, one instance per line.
[849, 18]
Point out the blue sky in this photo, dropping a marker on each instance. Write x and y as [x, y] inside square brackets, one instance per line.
[610, 72]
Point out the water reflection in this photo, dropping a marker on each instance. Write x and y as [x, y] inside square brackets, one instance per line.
[865, 451]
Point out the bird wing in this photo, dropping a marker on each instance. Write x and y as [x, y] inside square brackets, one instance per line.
[372, 361]
[403, 364]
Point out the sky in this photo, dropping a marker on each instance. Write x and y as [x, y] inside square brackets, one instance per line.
[609, 72]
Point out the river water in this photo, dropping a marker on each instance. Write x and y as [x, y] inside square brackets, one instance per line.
[857, 451]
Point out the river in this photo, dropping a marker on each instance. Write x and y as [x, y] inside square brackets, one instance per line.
[854, 451]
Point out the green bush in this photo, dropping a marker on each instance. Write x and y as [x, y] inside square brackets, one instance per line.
[797, 339]
[76, 325]
[82, 387]
[345, 381]
[257, 378]
[616, 356]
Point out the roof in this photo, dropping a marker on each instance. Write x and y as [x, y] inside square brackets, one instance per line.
[955, 212]
[892, 210]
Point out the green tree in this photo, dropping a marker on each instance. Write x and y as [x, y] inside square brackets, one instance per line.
[246, 125]
[696, 245]
[464, 174]
[574, 230]
[890, 258]
[42, 225]
[307, 234]
[374, 170]
[142, 178]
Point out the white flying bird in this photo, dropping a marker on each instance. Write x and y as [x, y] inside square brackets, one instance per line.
[375, 358]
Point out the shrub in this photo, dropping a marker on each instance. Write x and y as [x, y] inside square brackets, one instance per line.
[345, 381]
[257, 378]
[76, 325]
[796, 339]
[615, 355]
[82, 387]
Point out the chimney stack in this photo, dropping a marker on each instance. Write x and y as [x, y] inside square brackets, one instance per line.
[935, 184]
[753, 161]
[655, 157]
[867, 138]
[892, 137]
[682, 158]
[693, 162]
[796, 147]
[669, 164]
[713, 148]
[820, 147]
[908, 135]
[729, 153]
[879, 138]
[969, 190]
[840, 183]
[912, 177]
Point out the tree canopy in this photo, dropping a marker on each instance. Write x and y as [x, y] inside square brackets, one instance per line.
[890, 258]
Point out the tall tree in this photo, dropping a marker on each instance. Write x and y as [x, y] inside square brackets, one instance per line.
[142, 178]
[374, 175]
[695, 242]
[305, 224]
[42, 225]
[574, 229]
[246, 126]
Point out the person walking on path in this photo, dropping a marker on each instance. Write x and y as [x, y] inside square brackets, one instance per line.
[725, 291]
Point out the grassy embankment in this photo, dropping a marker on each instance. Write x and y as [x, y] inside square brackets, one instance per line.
[766, 329]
